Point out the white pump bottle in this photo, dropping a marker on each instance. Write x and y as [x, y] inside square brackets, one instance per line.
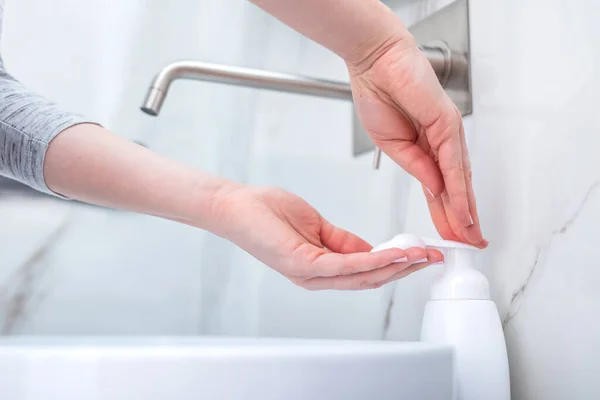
[460, 313]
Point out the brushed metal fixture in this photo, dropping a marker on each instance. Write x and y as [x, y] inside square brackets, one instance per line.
[262, 79]
[444, 39]
[239, 76]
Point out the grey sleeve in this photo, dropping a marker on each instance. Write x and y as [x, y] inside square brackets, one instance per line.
[28, 122]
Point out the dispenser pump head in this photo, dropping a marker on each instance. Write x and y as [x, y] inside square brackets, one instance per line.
[460, 279]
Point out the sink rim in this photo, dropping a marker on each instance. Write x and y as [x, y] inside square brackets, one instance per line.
[189, 346]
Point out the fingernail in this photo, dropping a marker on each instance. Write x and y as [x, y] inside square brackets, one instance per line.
[438, 263]
[430, 193]
[403, 259]
[471, 222]
[422, 260]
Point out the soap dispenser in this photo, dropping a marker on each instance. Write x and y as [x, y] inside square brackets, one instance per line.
[460, 313]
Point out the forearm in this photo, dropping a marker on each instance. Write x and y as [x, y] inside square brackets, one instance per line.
[356, 30]
[88, 163]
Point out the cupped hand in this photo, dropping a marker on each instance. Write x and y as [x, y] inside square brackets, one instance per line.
[409, 117]
[287, 234]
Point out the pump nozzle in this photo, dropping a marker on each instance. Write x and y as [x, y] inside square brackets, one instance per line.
[460, 279]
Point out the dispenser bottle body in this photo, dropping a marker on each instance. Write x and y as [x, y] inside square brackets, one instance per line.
[473, 327]
[461, 314]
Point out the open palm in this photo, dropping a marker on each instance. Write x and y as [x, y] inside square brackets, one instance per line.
[286, 233]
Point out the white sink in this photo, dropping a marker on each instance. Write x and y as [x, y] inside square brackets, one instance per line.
[222, 368]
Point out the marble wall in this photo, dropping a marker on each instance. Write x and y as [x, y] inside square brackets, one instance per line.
[533, 139]
[72, 269]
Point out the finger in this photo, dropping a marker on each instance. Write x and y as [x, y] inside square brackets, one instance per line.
[410, 155]
[436, 114]
[451, 165]
[397, 139]
[439, 217]
[406, 272]
[362, 281]
[456, 226]
[334, 264]
[367, 279]
[341, 241]
[433, 256]
[472, 233]
[414, 160]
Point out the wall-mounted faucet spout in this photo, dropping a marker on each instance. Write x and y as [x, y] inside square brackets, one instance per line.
[445, 35]
[439, 57]
[261, 79]
[241, 77]
[442, 60]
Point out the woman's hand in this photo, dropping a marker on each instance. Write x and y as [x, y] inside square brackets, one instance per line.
[409, 117]
[88, 163]
[286, 233]
[399, 101]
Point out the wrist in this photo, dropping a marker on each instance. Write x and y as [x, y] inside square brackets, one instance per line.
[387, 32]
[356, 30]
[211, 197]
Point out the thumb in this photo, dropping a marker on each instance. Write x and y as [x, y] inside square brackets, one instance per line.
[341, 241]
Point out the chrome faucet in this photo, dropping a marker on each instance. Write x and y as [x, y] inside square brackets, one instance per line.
[241, 77]
[448, 58]
[438, 56]
[261, 79]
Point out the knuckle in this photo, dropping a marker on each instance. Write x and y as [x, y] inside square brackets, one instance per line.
[365, 284]
[445, 125]
[444, 128]
[295, 279]
[311, 288]
[469, 174]
[298, 281]
[377, 285]
[304, 284]
[457, 112]
[455, 169]
[348, 269]
[344, 239]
